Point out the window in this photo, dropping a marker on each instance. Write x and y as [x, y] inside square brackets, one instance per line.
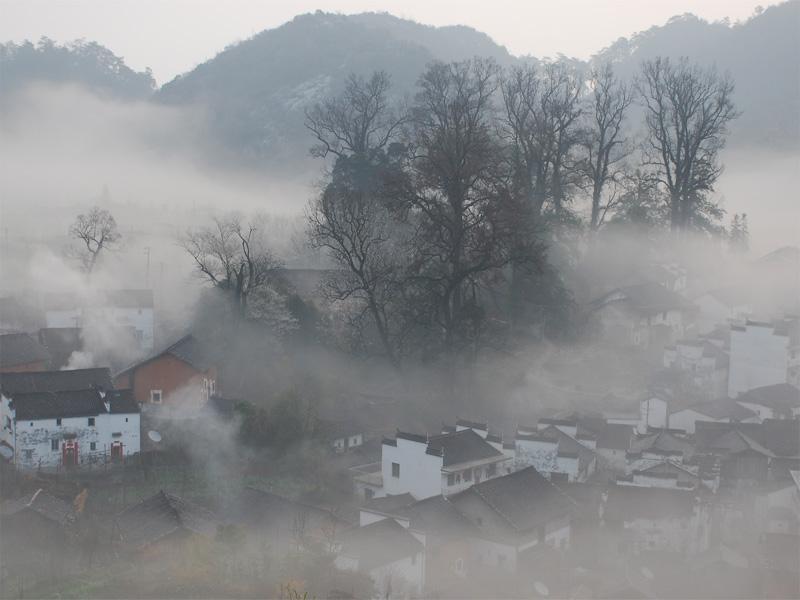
[492, 470]
[459, 565]
[395, 470]
[54, 444]
[468, 475]
[58, 421]
[126, 419]
[413, 559]
[451, 479]
[27, 454]
[155, 396]
[93, 446]
[355, 441]
[91, 421]
[8, 422]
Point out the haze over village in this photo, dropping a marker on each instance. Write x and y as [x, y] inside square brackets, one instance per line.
[366, 308]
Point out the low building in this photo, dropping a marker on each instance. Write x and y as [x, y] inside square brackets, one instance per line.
[103, 307]
[702, 363]
[759, 356]
[162, 519]
[20, 352]
[74, 428]
[176, 381]
[442, 464]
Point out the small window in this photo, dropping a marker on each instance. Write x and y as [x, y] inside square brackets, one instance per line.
[451, 479]
[54, 444]
[58, 421]
[395, 470]
[8, 422]
[126, 419]
[155, 396]
[93, 446]
[91, 421]
[27, 454]
[140, 311]
[468, 475]
[355, 441]
[413, 559]
[492, 470]
[459, 565]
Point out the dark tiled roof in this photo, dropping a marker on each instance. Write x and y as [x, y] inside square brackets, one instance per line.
[779, 436]
[100, 298]
[731, 297]
[43, 504]
[390, 504]
[646, 299]
[462, 447]
[472, 424]
[56, 381]
[436, 515]
[379, 544]
[782, 397]
[61, 342]
[258, 509]
[734, 442]
[661, 441]
[20, 349]
[616, 436]
[188, 349]
[55, 405]
[524, 499]
[630, 502]
[122, 402]
[334, 430]
[161, 515]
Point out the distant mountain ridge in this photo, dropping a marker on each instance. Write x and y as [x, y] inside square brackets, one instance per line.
[254, 94]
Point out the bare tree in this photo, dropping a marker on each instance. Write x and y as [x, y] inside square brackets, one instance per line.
[541, 112]
[358, 121]
[97, 233]
[234, 256]
[688, 110]
[350, 220]
[355, 229]
[604, 144]
[459, 199]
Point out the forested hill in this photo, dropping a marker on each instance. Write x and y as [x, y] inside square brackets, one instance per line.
[85, 63]
[762, 56]
[255, 92]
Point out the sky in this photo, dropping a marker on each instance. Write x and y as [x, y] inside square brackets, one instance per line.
[173, 36]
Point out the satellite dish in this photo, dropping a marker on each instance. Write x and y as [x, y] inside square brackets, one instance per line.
[541, 588]
[648, 574]
[154, 435]
[6, 452]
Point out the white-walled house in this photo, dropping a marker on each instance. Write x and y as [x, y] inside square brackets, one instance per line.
[389, 552]
[723, 306]
[778, 401]
[646, 315]
[94, 308]
[514, 515]
[759, 356]
[722, 410]
[72, 428]
[443, 464]
[555, 453]
[705, 364]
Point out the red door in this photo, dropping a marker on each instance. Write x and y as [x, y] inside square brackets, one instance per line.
[69, 454]
[116, 450]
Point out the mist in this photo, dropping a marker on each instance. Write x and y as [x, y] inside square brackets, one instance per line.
[288, 409]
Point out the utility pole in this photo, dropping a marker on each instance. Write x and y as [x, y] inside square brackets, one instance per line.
[147, 275]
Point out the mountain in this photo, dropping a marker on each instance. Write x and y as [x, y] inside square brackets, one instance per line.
[762, 55]
[84, 63]
[255, 93]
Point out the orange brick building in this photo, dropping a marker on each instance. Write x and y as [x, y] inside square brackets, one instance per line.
[181, 376]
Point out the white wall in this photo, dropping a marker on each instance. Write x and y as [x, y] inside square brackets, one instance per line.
[420, 473]
[36, 437]
[408, 573]
[758, 358]
[686, 418]
[653, 413]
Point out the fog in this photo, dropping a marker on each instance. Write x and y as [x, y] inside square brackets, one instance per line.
[65, 149]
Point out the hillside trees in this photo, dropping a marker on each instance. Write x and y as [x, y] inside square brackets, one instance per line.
[688, 109]
[459, 200]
